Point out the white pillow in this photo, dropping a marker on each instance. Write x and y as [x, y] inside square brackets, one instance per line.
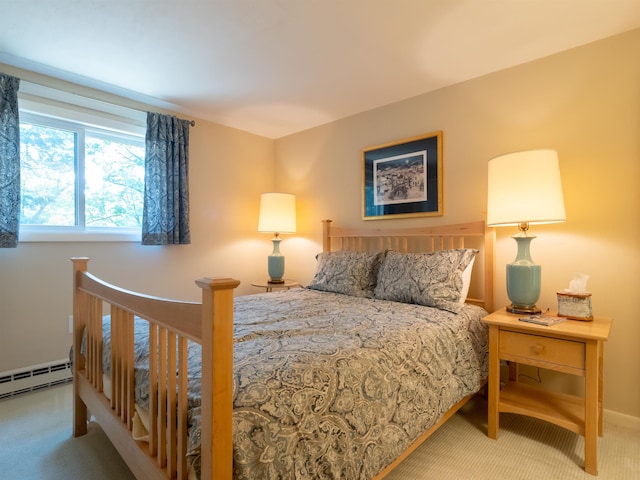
[466, 281]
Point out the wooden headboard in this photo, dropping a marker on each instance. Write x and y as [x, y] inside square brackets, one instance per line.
[425, 239]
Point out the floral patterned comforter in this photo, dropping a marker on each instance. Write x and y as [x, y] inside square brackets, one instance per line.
[331, 386]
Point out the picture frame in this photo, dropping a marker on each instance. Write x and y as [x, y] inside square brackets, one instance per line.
[403, 178]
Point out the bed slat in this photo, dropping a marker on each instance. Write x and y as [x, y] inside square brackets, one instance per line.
[153, 393]
[94, 343]
[130, 401]
[182, 407]
[162, 398]
[172, 411]
[116, 361]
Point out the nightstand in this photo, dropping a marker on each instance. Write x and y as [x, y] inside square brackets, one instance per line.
[269, 287]
[573, 347]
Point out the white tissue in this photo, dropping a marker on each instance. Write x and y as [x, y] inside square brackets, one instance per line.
[578, 284]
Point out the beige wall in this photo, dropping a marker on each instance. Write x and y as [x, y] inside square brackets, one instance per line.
[586, 104]
[229, 169]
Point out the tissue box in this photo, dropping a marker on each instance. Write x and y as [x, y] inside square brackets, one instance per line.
[575, 306]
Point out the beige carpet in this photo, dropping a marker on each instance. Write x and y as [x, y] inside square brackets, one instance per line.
[526, 449]
[36, 444]
[36, 441]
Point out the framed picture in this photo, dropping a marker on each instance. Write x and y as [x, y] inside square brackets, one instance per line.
[404, 178]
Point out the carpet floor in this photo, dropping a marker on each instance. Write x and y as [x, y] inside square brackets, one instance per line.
[36, 444]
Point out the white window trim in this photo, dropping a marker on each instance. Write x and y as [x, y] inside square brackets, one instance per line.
[48, 101]
[31, 234]
[45, 101]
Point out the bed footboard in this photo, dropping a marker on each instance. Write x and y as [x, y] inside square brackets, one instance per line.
[171, 324]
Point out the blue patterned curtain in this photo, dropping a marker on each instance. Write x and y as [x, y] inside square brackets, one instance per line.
[9, 161]
[165, 218]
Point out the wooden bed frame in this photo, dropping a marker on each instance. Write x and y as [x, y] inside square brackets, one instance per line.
[209, 323]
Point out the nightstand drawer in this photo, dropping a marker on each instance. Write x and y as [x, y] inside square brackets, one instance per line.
[523, 346]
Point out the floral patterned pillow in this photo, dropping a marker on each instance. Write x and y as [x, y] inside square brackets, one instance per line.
[350, 273]
[432, 279]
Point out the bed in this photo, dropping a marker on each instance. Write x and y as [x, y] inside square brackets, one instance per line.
[341, 379]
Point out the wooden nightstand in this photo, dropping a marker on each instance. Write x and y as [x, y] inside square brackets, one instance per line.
[573, 347]
[269, 287]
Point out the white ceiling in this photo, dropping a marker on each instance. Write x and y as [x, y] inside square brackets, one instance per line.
[275, 67]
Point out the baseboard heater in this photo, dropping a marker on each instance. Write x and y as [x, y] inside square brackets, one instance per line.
[35, 377]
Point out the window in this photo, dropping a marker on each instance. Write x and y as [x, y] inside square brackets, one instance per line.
[72, 176]
[81, 178]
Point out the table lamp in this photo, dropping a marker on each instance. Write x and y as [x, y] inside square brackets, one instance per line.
[524, 188]
[277, 215]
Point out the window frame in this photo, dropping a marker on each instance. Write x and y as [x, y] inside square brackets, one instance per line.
[53, 108]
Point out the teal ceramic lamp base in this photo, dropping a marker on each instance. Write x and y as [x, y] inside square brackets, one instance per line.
[523, 279]
[276, 263]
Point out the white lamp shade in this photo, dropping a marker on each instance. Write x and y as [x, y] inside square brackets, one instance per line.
[525, 187]
[277, 213]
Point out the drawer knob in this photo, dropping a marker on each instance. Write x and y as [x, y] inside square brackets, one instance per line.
[537, 348]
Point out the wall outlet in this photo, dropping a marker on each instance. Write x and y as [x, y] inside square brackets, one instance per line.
[70, 323]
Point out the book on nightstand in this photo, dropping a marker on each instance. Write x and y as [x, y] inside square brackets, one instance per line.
[545, 320]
